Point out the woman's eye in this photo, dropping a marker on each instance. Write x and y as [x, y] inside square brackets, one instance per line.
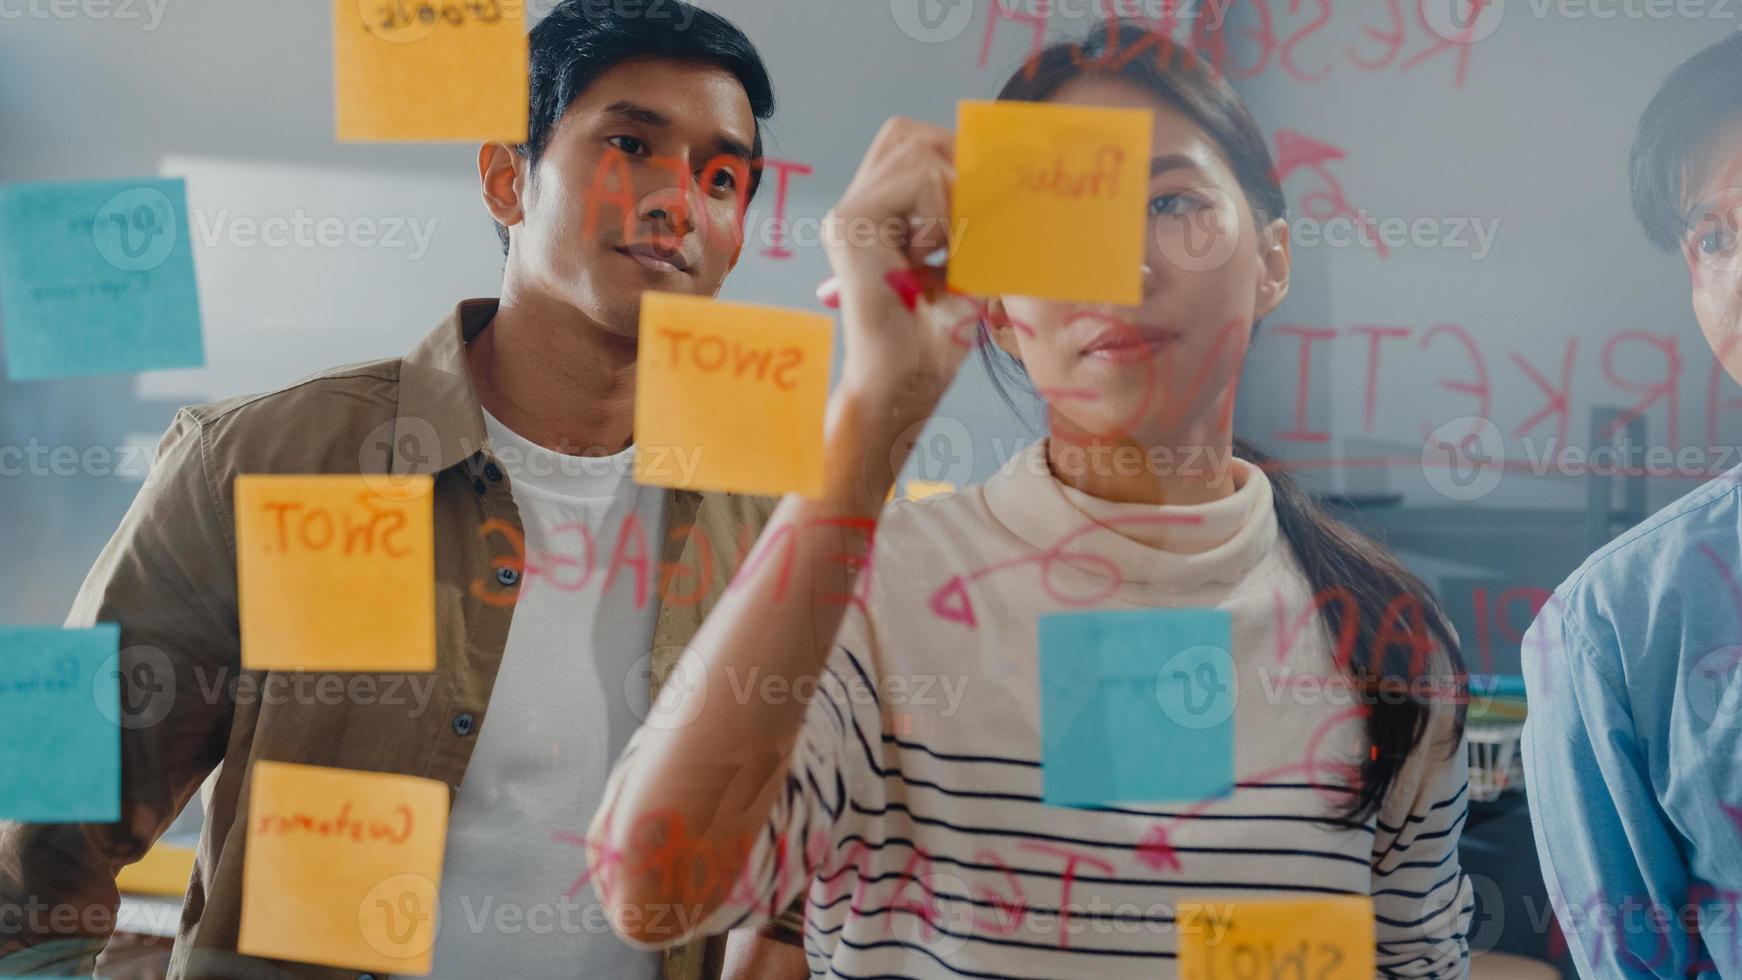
[1174, 204]
[628, 144]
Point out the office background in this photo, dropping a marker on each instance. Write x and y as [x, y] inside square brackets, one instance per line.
[1523, 131]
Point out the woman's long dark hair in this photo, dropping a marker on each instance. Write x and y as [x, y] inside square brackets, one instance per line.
[1386, 621]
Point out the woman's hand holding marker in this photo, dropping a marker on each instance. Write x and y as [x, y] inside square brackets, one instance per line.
[900, 352]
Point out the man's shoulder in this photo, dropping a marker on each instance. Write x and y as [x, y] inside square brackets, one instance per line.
[1663, 574]
[1678, 535]
[317, 424]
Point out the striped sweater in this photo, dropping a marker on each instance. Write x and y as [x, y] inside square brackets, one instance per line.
[913, 821]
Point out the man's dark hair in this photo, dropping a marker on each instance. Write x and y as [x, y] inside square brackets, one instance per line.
[580, 39]
[1698, 97]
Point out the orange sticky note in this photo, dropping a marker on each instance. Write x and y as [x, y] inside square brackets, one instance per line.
[430, 70]
[1327, 938]
[336, 572]
[1050, 201]
[730, 396]
[341, 868]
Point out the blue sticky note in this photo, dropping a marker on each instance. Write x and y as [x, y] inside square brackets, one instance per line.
[97, 277]
[1136, 706]
[61, 698]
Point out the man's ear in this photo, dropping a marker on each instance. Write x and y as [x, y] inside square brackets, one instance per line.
[1274, 265]
[502, 178]
[1002, 328]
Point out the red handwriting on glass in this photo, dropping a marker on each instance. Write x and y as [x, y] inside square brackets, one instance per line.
[614, 186]
[1557, 400]
[1304, 27]
[784, 169]
[952, 601]
[339, 825]
[571, 562]
[1295, 151]
[318, 529]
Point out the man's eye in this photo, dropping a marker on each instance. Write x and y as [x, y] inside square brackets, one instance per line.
[628, 144]
[725, 180]
[1717, 242]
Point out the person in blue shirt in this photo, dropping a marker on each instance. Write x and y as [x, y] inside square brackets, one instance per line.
[1633, 745]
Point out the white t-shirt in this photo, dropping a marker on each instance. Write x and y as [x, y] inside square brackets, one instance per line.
[571, 690]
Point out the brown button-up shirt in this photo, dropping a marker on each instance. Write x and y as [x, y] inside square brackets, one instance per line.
[168, 577]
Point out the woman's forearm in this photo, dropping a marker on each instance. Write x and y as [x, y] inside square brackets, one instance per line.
[713, 780]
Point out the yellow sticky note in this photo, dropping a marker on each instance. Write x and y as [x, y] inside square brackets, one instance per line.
[336, 572]
[730, 396]
[922, 489]
[1050, 201]
[430, 70]
[164, 870]
[1327, 938]
[341, 868]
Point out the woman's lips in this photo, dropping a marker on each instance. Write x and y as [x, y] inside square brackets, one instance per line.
[1122, 342]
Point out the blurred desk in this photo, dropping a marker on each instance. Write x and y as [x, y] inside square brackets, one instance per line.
[1512, 909]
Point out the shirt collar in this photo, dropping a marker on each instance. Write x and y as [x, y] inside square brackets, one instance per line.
[439, 423]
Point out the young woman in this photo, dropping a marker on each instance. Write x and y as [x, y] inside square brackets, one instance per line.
[863, 727]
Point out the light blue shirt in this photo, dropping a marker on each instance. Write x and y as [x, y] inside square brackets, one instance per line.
[1633, 744]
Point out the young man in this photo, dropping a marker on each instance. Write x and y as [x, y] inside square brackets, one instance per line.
[1633, 747]
[544, 663]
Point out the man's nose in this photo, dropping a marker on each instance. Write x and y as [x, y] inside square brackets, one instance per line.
[670, 207]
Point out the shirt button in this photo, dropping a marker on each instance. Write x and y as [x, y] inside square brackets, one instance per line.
[480, 486]
[463, 723]
[365, 976]
[507, 576]
[492, 472]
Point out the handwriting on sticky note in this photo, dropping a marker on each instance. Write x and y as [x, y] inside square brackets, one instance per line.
[336, 573]
[1327, 938]
[711, 352]
[61, 686]
[730, 396]
[340, 867]
[1063, 179]
[1050, 201]
[427, 70]
[97, 277]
